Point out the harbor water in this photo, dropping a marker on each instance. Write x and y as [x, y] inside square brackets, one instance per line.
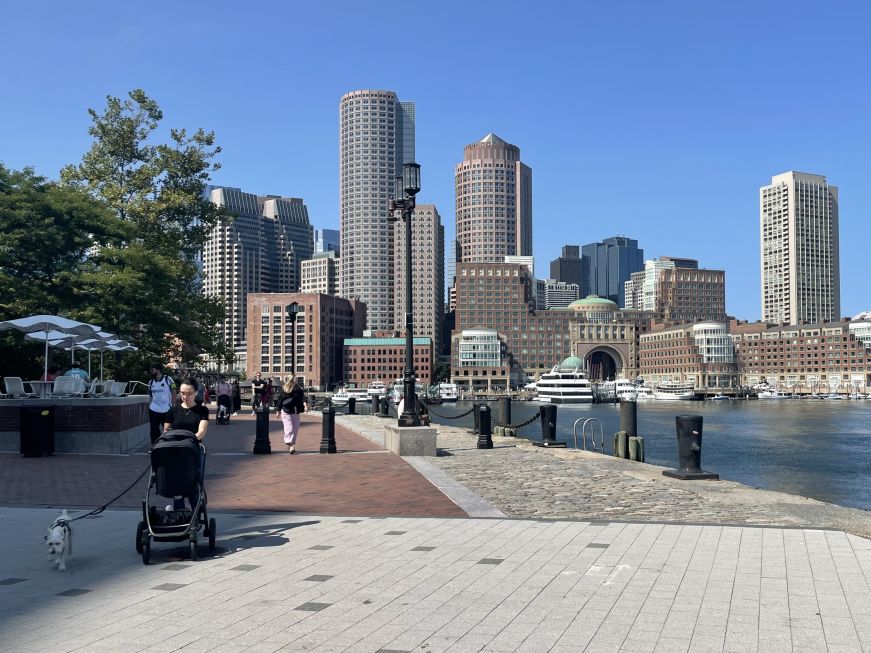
[813, 448]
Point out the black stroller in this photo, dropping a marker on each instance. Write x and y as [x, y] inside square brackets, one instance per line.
[225, 408]
[175, 473]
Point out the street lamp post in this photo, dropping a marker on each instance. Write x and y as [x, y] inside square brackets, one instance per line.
[292, 310]
[401, 207]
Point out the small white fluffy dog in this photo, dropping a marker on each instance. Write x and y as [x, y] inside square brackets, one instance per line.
[60, 541]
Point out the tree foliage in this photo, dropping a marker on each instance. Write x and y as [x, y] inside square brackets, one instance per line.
[157, 189]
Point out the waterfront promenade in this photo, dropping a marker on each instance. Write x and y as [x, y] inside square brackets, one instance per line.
[590, 553]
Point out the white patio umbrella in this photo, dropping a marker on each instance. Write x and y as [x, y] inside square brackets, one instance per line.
[107, 341]
[71, 341]
[45, 324]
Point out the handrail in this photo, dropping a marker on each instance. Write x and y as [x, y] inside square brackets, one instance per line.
[592, 433]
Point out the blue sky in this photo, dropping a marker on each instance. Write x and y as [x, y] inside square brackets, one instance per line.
[654, 120]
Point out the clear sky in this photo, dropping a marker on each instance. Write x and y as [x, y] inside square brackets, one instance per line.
[654, 120]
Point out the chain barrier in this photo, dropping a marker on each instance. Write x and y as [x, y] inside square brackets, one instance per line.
[468, 412]
[517, 426]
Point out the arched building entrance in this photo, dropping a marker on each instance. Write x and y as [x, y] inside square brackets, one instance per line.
[603, 364]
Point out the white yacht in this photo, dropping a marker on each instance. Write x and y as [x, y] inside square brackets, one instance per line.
[673, 391]
[628, 391]
[377, 388]
[771, 394]
[398, 389]
[566, 383]
[344, 394]
[448, 391]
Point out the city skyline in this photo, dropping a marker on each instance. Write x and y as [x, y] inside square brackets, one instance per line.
[662, 105]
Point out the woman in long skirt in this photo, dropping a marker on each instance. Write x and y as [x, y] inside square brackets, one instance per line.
[237, 397]
[291, 404]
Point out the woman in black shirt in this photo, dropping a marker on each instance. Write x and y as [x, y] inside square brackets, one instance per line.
[188, 415]
[291, 404]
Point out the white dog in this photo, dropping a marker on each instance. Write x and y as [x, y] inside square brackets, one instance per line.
[60, 541]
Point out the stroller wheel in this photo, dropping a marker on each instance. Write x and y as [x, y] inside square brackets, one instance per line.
[193, 548]
[146, 549]
[212, 528]
[140, 531]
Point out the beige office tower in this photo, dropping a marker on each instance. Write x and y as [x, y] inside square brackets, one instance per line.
[493, 202]
[318, 274]
[259, 250]
[798, 216]
[427, 273]
[376, 137]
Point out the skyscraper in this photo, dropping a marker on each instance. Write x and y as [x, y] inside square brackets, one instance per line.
[376, 137]
[610, 265]
[676, 290]
[568, 268]
[493, 202]
[327, 240]
[259, 251]
[800, 274]
[427, 273]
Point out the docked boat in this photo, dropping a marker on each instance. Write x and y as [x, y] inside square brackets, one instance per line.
[566, 383]
[448, 392]
[377, 389]
[673, 391]
[771, 394]
[628, 391]
[344, 394]
[398, 388]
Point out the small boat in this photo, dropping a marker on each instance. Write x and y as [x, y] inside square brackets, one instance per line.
[672, 391]
[771, 394]
[448, 391]
[377, 389]
[720, 397]
[344, 394]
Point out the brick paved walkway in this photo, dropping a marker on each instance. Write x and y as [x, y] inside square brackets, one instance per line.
[362, 480]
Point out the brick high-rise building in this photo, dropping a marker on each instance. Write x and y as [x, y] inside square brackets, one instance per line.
[499, 296]
[258, 251]
[674, 289]
[427, 273]
[320, 274]
[800, 275]
[376, 136]
[493, 202]
[315, 337]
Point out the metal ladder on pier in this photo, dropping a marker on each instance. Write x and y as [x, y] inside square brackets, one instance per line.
[593, 422]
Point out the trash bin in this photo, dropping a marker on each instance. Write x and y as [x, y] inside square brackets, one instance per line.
[37, 430]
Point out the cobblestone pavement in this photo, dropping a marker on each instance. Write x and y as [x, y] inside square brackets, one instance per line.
[526, 481]
[330, 584]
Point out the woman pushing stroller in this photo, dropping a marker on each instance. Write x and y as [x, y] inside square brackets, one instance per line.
[188, 415]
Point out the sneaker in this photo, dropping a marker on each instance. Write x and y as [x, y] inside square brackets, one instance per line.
[292, 449]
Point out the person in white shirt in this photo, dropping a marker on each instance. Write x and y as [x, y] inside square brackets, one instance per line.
[162, 391]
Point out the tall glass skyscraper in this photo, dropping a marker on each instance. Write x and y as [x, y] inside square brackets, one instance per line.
[376, 137]
[609, 265]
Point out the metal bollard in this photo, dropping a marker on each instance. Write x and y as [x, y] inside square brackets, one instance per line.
[485, 438]
[505, 410]
[376, 404]
[385, 407]
[476, 415]
[689, 450]
[261, 432]
[352, 405]
[629, 418]
[547, 415]
[328, 430]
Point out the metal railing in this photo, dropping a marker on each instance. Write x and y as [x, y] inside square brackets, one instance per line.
[593, 422]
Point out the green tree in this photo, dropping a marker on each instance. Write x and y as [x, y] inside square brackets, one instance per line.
[157, 189]
[51, 237]
[442, 372]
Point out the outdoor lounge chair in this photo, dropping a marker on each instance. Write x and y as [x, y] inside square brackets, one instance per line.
[15, 387]
[119, 389]
[65, 386]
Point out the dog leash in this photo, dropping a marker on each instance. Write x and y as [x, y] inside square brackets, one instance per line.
[97, 511]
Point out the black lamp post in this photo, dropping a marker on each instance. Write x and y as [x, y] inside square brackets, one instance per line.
[401, 207]
[292, 310]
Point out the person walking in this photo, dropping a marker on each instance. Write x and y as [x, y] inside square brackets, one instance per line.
[237, 397]
[257, 386]
[268, 391]
[162, 391]
[291, 404]
[224, 391]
